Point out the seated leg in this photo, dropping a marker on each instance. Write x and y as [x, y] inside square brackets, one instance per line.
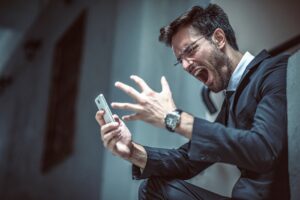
[159, 188]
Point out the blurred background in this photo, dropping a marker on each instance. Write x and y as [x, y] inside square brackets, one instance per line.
[56, 56]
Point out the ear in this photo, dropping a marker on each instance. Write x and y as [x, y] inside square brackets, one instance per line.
[219, 38]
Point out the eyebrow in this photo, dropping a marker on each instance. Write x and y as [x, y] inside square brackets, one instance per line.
[186, 47]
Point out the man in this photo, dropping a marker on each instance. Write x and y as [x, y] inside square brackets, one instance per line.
[250, 131]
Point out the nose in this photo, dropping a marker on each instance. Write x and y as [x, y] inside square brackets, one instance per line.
[186, 63]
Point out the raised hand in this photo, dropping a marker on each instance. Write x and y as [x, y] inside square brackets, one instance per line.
[150, 106]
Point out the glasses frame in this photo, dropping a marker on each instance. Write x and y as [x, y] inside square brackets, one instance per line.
[187, 51]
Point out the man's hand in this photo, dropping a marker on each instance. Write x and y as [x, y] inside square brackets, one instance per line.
[150, 106]
[115, 136]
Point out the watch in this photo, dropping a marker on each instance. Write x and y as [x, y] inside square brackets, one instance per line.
[172, 120]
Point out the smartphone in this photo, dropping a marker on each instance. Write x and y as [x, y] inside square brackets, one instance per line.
[102, 105]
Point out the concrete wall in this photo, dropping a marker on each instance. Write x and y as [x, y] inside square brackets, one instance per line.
[262, 24]
[13, 26]
[293, 97]
[23, 107]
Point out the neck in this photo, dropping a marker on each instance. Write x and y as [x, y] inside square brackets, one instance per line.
[234, 56]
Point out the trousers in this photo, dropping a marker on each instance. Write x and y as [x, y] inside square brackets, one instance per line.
[156, 188]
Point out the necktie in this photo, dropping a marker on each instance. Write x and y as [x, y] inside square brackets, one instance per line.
[227, 99]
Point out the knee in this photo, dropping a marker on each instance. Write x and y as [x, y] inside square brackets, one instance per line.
[150, 189]
[143, 189]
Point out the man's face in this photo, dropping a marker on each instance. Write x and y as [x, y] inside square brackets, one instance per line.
[202, 59]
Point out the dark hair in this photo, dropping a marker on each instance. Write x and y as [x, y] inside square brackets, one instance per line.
[205, 20]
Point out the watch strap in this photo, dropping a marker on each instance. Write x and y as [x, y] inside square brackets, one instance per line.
[179, 111]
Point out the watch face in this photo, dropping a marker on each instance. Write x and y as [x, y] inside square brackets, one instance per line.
[172, 120]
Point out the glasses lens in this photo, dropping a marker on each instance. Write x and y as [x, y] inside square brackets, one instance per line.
[189, 50]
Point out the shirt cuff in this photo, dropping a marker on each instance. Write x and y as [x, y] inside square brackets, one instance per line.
[152, 165]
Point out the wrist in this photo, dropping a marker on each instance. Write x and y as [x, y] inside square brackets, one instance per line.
[138, 155]
[185, 127]
[172, 120]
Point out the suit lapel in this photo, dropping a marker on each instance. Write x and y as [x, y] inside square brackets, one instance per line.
[246, 76]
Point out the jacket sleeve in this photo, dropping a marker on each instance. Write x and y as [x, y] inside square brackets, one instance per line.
[258, 148]
[169, 163]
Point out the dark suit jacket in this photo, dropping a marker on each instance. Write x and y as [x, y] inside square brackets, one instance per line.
[255, 140]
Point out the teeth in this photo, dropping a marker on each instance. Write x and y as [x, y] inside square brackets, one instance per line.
[197, 72]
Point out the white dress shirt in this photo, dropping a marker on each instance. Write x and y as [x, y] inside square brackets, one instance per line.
[239, 71]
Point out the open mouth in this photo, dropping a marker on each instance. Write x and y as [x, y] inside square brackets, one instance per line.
[202, 75]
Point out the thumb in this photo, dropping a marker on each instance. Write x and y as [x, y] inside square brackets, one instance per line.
[119, 121]
[117, 118]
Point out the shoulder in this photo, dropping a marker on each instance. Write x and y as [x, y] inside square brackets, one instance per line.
[273, 72]
[273, 67]
[275, 61]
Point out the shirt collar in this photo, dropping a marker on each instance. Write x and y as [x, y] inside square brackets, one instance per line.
[239, 71]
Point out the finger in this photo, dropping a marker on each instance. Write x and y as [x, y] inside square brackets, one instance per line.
[109, 127]
[165, 85]
[99, 117]
[101, 133]
[111, 145]
[109, 135]
[129, 90]
[131, 117]
[127, 106]
[121, 123]
[107, 138]
[116, 118]
[141, 83]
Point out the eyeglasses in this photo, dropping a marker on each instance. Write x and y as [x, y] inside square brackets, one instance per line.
[187, 51]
